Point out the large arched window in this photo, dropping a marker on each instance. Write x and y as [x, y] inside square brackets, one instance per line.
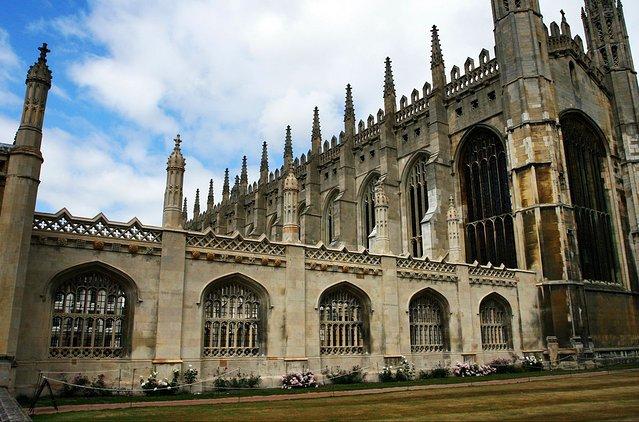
[417, 196]
[428, 320]
[343, 313]
[495, 319]
[585, 154]
[234, 320]
[330, 217]
[91, 316]
[486, 194]
[368, 209]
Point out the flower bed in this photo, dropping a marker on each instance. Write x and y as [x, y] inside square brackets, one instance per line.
[472, 370]
[304, 379]
[153, 386]
[341, 376]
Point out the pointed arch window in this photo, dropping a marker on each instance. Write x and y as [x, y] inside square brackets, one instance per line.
[417, 193]
[234, 320]
[428, 323]
[489, 227]
[330, 219]
[495, 319]
[368, 209]
[84, 324]
[343, 322]
[585, 155]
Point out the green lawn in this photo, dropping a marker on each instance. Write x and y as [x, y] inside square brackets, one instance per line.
[605, 397]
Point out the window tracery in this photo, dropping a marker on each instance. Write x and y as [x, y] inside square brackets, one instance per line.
[343, 323]
[495, 319]
[585, 156]
[233, 321]
[485, 190]
[428, 324]
[417, 204]
[368, 209]
[90, 317]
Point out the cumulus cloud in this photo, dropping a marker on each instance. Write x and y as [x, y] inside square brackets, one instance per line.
[9, 63]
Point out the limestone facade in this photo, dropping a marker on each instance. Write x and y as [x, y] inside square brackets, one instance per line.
[492, 213]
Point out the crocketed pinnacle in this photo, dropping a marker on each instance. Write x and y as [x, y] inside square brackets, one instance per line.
[288, 148]
[317, 133]
[176, 160]
[437, 58]
[244, 173]
[389, 83]
[39, 71]
[210, 202]
[349, 108]
[264, 161]
[196, 205]
[185, 211]
[226, 187]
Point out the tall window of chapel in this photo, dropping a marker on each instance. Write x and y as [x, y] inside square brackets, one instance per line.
[368, 210]
[417, 204]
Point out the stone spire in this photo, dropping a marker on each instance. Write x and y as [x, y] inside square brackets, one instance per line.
[244, 173]
[565, 26]
[210, 201]
[454, 248]
[264, 164]
[196, 204]
[172, 216]
[437, 67]
[185, 211]
[225, 188]
[382, 238]
[39, 75]
[291, 228]
[349, 112]
[316, 135]
[288, 149]
[389, 89]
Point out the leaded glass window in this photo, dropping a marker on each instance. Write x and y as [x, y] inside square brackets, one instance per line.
[585, 156]
[330, 220]
[90, 317]
[368, 209]
[343, 323]
[233, 322]
[489, 227]
[428, 324]
[495, 319]
[417, 194]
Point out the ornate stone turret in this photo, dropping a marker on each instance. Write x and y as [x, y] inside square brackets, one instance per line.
[349, 113]
[437, 67]
[288, 150]
[316, 135]
[210, 201]
[264, 164]
[172, 216]
[196, 204]
[454, 248]
[225, 188]
[382, 236]
[21, 189]
[291, 228]
[390, 102]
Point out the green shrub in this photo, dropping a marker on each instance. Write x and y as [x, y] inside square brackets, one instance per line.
[341, 376]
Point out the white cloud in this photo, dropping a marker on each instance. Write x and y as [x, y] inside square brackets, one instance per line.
[9, 64]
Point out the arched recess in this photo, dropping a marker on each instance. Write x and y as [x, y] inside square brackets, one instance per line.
[367, 207]
[300, 220]
[485, 194]
[429, 318]
[234, 317]
[586, 153]
[330, 218]
[495, 318]
[344, 320]
[92, 310]
[416, 193]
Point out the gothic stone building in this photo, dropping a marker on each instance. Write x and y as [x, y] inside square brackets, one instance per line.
[494, 212]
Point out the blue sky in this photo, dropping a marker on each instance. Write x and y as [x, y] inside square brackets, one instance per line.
[226, 75]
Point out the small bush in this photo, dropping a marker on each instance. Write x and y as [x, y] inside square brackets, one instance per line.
[341, 376]
[438, 372]
[532, 364]
[472, 370]
[152, 386]
[79, 381]
[238, 381]
[299, 380]
[505, 366]
[190, 375]
[405, 371]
